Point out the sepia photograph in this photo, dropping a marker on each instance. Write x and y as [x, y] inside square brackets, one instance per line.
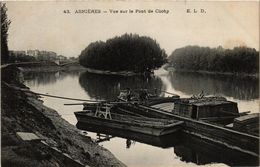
[116, 83]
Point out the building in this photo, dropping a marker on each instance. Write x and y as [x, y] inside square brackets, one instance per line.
[33, 53]
[47, 55]
[17, 52]
[62, 58]
[40, 55]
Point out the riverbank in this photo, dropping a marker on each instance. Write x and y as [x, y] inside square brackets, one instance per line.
[74, 66]
[24, 112]
[107, 72]
[49, 67]
[242, 75]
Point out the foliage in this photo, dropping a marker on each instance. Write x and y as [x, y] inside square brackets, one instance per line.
[4, 35]
[107, 87]
[240, 88]
[13, 58]
[195, 58]
[129, 52]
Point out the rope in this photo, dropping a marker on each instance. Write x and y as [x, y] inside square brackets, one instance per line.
[67, 98]
[169, 93]
[105, 102]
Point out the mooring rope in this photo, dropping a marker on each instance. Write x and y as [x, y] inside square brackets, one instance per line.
[168, 93]
[67, 98]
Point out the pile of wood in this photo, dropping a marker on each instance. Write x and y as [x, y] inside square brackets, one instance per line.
[206, 100]
[248, 123]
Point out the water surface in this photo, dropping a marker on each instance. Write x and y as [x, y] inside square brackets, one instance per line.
[83, 85]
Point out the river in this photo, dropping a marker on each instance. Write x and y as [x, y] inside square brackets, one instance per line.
[83, 85]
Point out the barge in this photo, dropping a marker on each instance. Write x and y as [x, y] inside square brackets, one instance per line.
[165, 141]
[210, 118]
[103, 117]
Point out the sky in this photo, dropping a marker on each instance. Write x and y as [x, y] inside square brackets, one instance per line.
[43, 25]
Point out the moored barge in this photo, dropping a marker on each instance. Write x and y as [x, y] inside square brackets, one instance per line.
[106, 118]
[210, 118]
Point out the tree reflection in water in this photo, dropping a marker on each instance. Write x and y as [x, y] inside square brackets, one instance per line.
[46, 78]
[188, 147]
[201, 152]
[108, 86]
[230, 86]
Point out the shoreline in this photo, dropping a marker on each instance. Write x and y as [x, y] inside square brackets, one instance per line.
[107, 72]
[24, 112]
[52, 67]
[242, 75]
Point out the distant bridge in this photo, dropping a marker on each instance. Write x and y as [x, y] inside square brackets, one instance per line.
[21, 64]
[69, 63]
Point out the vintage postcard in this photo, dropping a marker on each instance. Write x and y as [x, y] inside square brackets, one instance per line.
[129, 83]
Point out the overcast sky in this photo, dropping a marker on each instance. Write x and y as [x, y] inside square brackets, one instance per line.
[44, 26]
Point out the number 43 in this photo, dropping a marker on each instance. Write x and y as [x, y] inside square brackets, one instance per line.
[66, 11]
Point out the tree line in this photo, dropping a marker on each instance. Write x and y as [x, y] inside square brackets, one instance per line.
[5, 22]
[13, 58]
[136, 53]
[194, 58]
[129, 52]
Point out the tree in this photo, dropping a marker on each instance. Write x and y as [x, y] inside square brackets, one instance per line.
[129, 52]
[4, 35]
[195, 58]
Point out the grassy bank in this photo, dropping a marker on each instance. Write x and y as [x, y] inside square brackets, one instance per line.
[24, 112]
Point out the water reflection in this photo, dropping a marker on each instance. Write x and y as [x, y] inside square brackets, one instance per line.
[108, 87]
[129, 143]
[188, 147]
[230, 86]
[201, 152]
[163, 142]
[47, 78]
[86, 85]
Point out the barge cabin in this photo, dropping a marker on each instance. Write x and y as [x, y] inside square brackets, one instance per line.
[211, 109]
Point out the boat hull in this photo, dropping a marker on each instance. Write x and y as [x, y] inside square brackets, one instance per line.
[164, 141]
[130, 125]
